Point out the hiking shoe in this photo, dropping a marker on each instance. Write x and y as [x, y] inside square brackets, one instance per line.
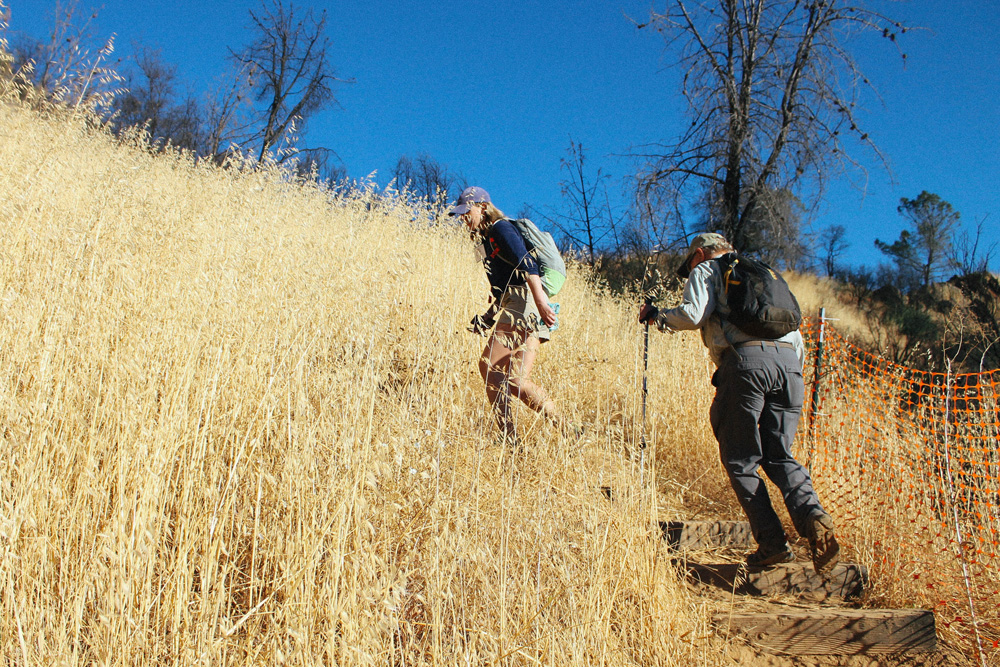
[511, 442]
[823, 544]
[572, 431]
[768, 557]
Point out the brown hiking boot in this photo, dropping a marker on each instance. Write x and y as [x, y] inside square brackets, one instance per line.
[768, 557]
[823, 544]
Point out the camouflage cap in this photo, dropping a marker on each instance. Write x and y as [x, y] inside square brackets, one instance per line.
[706, 240]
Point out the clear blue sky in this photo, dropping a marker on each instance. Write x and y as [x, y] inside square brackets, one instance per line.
[495, 90]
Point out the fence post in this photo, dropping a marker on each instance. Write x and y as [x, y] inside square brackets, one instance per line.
[817, 374]
[953, 498]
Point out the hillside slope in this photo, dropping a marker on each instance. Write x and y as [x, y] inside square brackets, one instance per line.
[957, 321]
[243, 424]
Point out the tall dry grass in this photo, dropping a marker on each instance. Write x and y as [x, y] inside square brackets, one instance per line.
[814, 293]
[242, 424]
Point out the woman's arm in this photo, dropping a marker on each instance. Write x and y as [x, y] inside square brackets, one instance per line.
[541, 300]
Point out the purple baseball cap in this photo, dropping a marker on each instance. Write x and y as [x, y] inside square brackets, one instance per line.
[472, 195]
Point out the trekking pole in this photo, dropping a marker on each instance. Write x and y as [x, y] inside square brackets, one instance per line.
[645, 393]
[645, 375]
[645, 389]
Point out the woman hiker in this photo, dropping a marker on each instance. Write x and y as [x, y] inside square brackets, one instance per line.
[519, 319]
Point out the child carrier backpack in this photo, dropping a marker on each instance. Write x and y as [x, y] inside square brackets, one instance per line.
[541, 245]
[760, 303]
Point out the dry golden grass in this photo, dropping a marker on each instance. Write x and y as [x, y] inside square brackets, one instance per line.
[814, 292]
[242, 424]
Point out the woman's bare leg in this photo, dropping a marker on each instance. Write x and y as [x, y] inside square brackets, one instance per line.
[530, 393]
[505, 366]
[494, 366]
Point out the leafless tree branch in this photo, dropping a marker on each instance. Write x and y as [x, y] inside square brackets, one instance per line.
[771, 90]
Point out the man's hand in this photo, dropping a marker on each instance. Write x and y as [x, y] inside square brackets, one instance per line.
[647, 313]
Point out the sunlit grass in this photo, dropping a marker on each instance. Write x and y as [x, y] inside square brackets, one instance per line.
[242, 424]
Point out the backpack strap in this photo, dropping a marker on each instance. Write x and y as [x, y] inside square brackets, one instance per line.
[726, 264]
[527, 246]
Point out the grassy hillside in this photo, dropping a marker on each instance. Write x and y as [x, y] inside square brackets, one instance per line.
[242, 424]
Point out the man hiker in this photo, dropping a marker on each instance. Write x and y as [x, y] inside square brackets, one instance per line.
[758, 399]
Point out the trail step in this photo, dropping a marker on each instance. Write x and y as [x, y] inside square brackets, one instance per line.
[846, 581]
[834, 631]
[694, 535]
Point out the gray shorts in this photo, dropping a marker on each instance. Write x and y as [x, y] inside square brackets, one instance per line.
[518, 310]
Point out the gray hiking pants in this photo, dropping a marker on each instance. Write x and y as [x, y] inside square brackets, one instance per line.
[758, 399]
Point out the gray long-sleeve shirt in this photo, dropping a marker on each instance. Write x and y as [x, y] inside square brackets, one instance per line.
[704, 308]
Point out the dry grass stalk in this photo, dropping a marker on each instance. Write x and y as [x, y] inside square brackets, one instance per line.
[242, 424]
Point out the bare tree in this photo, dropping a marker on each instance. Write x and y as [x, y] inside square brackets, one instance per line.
[228, 116]
[772, 229]
[859, 283]
[971, 253]
[72, 67]
[427, 178]
[289, 71]
[656, 219]
[151, 101]
[589, 220]
[150, 91]
[43, 62]
[321, 165]
[833, 244]
[771, 91]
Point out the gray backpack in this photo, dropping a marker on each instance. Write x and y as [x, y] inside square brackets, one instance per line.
[542, 246]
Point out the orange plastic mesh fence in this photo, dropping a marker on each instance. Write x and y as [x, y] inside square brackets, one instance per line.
[908, 463]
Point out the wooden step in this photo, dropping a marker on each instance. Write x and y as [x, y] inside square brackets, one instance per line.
[695, 535]
[846, 581]
[834, 631]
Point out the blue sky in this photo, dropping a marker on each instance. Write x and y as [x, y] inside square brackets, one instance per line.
[496, 90]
